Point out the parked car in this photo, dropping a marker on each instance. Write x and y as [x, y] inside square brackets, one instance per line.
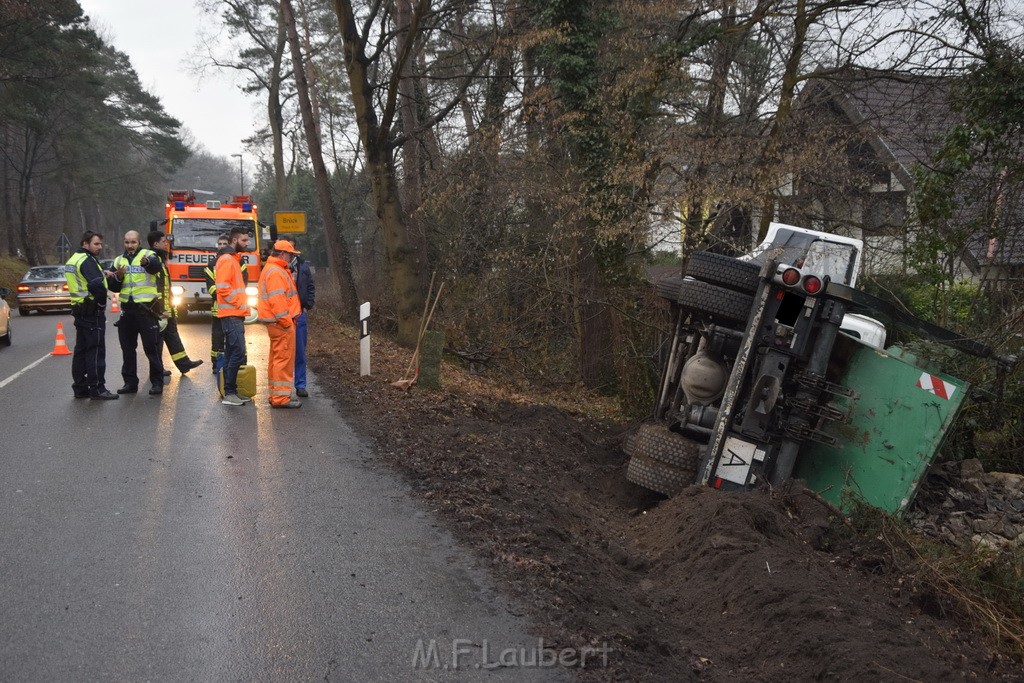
[43, 288]
[5, 318]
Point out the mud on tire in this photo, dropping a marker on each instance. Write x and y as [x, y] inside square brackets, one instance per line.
[658, 476]
[657, 442]
[725, 271]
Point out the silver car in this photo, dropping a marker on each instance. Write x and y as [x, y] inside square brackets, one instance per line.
[44, 288]
[5, 318]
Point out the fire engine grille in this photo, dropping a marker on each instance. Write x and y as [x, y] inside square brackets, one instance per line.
[196, 272]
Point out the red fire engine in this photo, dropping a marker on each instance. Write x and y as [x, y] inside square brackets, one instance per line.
[193, 229]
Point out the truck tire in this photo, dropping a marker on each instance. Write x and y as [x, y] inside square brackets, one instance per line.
[657, 476]
[658, 442]
[668, 287]
[719, 303]
[724, 271]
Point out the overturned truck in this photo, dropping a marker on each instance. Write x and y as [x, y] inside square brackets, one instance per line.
[776, 369]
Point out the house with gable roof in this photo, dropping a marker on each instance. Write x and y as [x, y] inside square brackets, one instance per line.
[870, 133]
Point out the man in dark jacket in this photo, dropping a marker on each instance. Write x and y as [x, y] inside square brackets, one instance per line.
[303, 276]
[159, 244]
[87, 284]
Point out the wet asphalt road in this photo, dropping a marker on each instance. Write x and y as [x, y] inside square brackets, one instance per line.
[174, 538]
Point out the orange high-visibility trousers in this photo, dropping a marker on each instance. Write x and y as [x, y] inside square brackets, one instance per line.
[281, 369]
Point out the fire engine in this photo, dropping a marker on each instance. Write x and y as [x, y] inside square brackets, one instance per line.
[193, 229]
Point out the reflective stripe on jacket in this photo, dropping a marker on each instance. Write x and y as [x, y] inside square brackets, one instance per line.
[78, 286]
[278, 296]
[139, 285]
[211, 287]
[211, 283]
[230, 285]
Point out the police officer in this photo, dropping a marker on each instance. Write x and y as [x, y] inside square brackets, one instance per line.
[159, 244]
[87, 283]
[136, 270]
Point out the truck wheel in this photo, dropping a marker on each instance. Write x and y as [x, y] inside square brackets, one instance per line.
[668, 288]
[724, 271]
[657, 476]
[658, 442]
[721, 304]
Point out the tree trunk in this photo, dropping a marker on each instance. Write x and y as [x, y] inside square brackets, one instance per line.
[597, 367]
[337, 253]
[310, 70]
[8, 201]
[412, 165]
[790, 78]
[405, 263]
[276, 117]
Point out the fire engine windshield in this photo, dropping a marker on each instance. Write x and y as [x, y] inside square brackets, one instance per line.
[202, 233]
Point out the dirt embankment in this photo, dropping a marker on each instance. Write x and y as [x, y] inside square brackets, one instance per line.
[706, 586]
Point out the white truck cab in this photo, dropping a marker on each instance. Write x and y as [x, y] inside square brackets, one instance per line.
[823, 254]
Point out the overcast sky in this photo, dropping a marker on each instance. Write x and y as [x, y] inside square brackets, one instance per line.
[158, 36]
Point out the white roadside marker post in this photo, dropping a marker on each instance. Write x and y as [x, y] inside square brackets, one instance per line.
[364, 339]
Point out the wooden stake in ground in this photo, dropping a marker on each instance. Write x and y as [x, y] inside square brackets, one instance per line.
[406, 382]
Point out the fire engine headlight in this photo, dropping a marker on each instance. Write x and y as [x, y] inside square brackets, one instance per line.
[177, 290]
[252, 292]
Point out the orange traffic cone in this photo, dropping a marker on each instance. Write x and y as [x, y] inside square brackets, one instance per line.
[115, 307]
[60, 347]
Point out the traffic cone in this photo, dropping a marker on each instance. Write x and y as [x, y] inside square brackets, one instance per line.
[60, 347]
[115, 307]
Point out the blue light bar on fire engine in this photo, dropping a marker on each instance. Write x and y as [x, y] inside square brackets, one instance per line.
[247, 207]
[179, 206]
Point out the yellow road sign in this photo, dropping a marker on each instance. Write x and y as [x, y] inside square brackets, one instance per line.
[290, 221]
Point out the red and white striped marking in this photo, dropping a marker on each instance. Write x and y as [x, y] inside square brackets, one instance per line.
[936, 385]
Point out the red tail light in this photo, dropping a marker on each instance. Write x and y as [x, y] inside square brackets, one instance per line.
[790, 276]
[23, 288]
[64, 286]
[812, 284]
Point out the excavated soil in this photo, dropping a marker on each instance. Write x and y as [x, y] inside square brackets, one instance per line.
[706, 586]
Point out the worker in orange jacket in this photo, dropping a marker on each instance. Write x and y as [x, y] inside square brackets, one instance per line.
[278, 307]
[232, 309]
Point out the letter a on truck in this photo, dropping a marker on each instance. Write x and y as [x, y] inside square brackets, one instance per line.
[193, 229]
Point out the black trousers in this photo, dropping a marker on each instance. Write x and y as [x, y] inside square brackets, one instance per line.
[89, 362]
[216, 339]
[132, 327]
[174, 345]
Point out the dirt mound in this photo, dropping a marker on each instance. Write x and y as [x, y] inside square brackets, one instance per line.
[758, 600]
[706, 586]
